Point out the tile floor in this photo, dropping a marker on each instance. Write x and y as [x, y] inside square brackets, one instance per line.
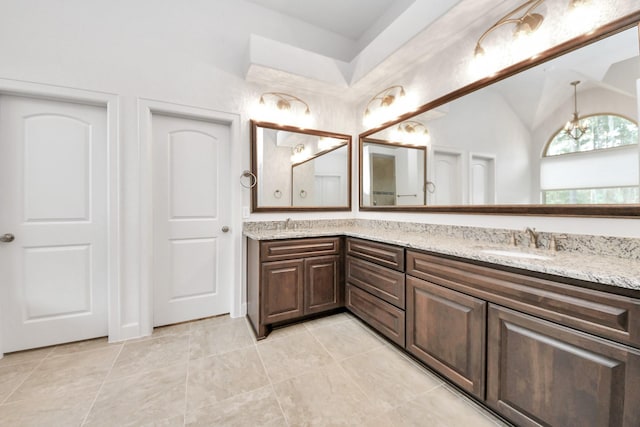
[332, 371]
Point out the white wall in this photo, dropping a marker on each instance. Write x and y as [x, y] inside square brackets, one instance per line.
[161, 50]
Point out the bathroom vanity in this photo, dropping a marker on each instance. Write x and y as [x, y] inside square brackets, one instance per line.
[537, 348]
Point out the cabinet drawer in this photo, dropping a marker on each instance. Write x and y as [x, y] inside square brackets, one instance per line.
[380, 315]
[275, 250]
[379, 253]
[607, 315]
[382, 282]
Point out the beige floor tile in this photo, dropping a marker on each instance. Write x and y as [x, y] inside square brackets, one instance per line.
[286, 331]
[346, 339]
[12, 376]
[292, 356]
[77, 347]
[256, 408]
[440, 408]
[18, 357]
[147, 355]
[150, 397]
[64, 374]
[216, 378]
[327, 320]
[164, 331]
[56, 410]
[210, 322]
[388, 378]
[323, 397]
[229, 336]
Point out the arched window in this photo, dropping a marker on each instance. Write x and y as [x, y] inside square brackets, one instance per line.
[601, 167]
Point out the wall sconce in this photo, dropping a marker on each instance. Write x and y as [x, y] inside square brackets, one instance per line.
[525, 23]
[574, 128]
[299, 153]
[412, 132]
[386, 105]
[283, 108]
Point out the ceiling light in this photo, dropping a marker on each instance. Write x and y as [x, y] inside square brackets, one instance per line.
[574, 128]
[526, 22]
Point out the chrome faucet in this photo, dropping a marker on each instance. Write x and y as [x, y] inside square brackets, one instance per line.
[533, 237]
[286, 223]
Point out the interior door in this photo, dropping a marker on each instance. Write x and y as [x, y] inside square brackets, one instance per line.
[53, 222]
[191, 259]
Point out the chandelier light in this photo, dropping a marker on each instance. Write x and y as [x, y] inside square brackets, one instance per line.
[412, 132]
[574, 128]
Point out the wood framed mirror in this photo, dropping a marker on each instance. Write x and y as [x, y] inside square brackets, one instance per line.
[488, 146]
[299, 169]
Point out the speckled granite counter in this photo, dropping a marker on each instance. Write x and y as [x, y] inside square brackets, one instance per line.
[603, 260]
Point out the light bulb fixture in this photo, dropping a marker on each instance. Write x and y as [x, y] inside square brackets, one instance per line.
[299, 153]
[574, 128]
[283, 108]
[525, 21]
[412, 132]
[575, 4]
[386, 105]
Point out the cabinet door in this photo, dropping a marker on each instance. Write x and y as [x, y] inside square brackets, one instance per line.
[282, 290]
[540, 373]
[446, 330]
[323, 288]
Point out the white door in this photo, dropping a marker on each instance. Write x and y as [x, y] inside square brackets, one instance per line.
[191, 206]
[53, 199]
[446, 173]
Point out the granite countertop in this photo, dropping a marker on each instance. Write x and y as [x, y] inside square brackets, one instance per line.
[607, 270]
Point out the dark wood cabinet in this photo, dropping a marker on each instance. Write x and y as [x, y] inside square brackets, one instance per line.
[543, 374]
[290, 279]
[446, 330]
[323, 289]
[282, 290]
[375, 290]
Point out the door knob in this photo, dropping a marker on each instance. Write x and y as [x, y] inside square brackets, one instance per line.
[7, 238]
[225, 229]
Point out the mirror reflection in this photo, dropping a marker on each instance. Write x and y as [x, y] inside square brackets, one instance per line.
[300, 169]
[394, 174]
[564, 132]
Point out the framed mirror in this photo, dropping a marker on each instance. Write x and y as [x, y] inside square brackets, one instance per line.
[299, 170]
[499, 145]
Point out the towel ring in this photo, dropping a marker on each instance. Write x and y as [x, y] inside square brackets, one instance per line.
[303, 194]
[277, 194]
[253, 180]
[430, 187]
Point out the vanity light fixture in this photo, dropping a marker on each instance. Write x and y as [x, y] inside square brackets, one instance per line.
[283, 108]
[384, 106]
[298, 153]
[574, 128]
[526, 22]
[413, 132]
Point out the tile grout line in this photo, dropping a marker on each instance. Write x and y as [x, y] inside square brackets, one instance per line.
[6, 399]
[186, 380]
[273, 389]
[95, 399]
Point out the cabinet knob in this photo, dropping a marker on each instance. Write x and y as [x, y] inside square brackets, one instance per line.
[7, 238]
[225, 229]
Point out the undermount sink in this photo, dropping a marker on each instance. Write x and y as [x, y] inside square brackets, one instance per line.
[515, 254]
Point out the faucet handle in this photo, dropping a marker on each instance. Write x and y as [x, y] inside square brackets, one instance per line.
[553, 242]
[512, 238]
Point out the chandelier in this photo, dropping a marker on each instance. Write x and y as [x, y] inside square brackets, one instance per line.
[574, 128]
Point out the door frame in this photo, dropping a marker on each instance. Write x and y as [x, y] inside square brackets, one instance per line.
[146, 108]
[112, 104]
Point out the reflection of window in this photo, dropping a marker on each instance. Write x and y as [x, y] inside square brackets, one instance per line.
[600, 168]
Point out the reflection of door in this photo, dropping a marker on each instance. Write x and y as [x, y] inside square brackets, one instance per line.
[53, 189]
[447, 171]
[383, 180]
[328, 190]
[482, 179]
[191, 206]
